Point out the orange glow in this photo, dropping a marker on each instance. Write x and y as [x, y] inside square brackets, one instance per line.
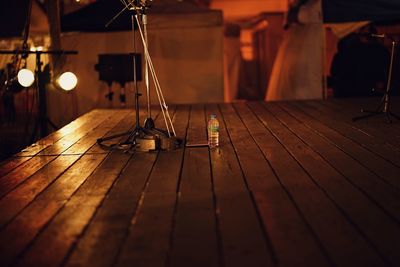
[247, 40]
[234, 9]
[246, 44]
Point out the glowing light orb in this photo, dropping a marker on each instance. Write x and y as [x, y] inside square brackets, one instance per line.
[25, 77]
[67, 81]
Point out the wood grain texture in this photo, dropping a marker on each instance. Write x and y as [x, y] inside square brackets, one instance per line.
[24, 228]
[358, 174]
[354, 131]
[328, 222]
[16, 200]
[88, 140]
[194, 239]
[376, 125]
[148, 239]
[271, 174]
[57, 135]
[80, 195]
[241, 230]
[111, 221]
[292, 183]
[22, 173]
[8, 165]
[382, 150]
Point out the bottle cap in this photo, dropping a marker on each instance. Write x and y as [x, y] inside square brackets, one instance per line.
[213, 116]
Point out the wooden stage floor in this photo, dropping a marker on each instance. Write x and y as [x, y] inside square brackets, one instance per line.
[292, 184]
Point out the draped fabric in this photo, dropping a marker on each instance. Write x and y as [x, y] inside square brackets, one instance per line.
[359, 10]
[340, 30]
[298, 68]
[297, 71]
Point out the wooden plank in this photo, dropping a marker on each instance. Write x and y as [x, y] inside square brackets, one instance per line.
[58, 239]
[370, 127]
[33, 165]
[242, 236]
[19, 198]
[110, 223]
[165, 175]
[377, 125]
[18, 234]
[148, 238]
[253, 201]
[125, 125]
[353, 107]
[194, 241]
[375, 225]
[11, 163]
[148, 241]
[383, 194]
[197, 132]
[23, 172]
[195, 218]
[90, 139]
[69, 139]
[292, 240]
[199, 157]
[70, 206]
[374, 145]
[57, 135]
[343, 243]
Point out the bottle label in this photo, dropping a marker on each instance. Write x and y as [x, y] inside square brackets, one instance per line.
[214, 128]
[213, 132]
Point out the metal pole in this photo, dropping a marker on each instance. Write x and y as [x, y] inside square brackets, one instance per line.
[134, 73]
[388, 85]
[146, 65]
[42, 109]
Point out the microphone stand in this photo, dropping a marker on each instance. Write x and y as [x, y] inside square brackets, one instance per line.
[384, 106]
[138, 137]
[145, 138]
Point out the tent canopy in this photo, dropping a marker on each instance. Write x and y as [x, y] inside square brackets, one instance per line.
[360, 10]
[94, 17]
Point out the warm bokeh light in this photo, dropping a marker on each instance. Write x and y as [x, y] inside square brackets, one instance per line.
[67, 81]
[26, 77]
[36, 48]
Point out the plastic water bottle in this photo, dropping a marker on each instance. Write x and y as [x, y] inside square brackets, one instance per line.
[213, 131]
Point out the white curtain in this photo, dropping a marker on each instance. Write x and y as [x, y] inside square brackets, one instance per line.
[298, 69]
